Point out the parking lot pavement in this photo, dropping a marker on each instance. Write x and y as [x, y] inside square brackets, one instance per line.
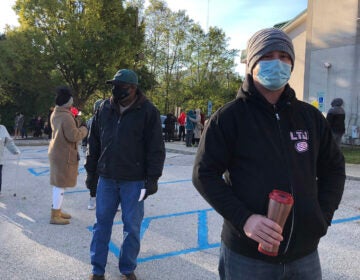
[180, 232]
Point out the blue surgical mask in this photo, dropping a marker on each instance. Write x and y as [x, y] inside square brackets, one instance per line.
[273, 74]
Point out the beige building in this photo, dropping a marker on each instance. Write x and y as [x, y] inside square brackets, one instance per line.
[326, 38]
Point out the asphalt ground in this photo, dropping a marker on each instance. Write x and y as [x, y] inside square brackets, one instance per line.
[180, 232]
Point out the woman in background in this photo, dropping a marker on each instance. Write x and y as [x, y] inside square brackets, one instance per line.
[63, 152]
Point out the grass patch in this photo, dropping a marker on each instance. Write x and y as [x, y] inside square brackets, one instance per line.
[351, 154]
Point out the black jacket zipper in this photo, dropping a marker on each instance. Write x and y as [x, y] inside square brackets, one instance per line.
[277, 116]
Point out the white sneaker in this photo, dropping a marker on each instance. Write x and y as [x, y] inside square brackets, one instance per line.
[92, 203]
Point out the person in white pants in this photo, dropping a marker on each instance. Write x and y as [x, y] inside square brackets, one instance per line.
[63, 152]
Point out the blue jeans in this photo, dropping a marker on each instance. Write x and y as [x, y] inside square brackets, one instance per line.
[108, 196]
[233, 266]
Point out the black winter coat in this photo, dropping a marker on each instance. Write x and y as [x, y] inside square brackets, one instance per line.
[336, 119]
[261, 147]
[128, 146]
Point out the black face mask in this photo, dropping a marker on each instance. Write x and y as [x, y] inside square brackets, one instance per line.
[119, 93]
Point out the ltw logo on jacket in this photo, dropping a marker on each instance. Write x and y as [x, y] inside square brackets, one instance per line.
[301, 138]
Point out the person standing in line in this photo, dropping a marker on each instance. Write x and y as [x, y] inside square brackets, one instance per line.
[127, 151]
[8, 142]
[63, 152]
[169, 127]
[198, 127]
[181, 120]
[263, 140]
[336, 119]
[19, 122]
[23, 130]
[189, 126]
[39, 126]
[91, 185]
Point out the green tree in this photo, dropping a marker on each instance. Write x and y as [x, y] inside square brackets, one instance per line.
[191, 66]
[26, 78]
[86, 41]
[208, 65]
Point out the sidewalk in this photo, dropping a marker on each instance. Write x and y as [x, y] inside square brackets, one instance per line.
[352, 170]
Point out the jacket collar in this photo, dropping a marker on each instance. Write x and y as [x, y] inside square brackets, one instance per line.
[62, 109]
[249, 92]
[140, 99]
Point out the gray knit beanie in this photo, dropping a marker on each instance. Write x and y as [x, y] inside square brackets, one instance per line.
[267, 40]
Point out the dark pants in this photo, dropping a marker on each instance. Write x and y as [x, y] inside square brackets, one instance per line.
[169, 135]
[181, 132]
[189, 136]
[23, 132]
[234, 266]
[0, 175]
[337, 137]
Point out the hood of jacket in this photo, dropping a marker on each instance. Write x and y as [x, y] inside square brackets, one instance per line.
[337, 102]
[248, 92]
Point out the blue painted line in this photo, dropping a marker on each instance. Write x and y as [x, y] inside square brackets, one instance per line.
[114, 249]
[144, 226]
[177, 253]
[338, 221]
[203, 242]
[203, 229]
[174, 182]
[43, 171]
[173, 215]
[72, 192]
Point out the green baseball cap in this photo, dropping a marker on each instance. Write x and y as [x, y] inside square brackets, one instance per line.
[125, 76]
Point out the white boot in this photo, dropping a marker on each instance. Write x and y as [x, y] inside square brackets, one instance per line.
[92, 203]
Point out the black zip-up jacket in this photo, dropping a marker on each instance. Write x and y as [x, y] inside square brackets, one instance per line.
[250, 148]
[126, 146]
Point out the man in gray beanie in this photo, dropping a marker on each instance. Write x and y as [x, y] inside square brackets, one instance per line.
[266, 145]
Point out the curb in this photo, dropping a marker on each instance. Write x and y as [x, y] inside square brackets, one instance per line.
[170, 150]
[32, 142]
[352, 178]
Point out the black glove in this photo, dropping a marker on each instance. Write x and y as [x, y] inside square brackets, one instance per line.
[80, 122]
[83, 123]
[91, 180]
[151, 186]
